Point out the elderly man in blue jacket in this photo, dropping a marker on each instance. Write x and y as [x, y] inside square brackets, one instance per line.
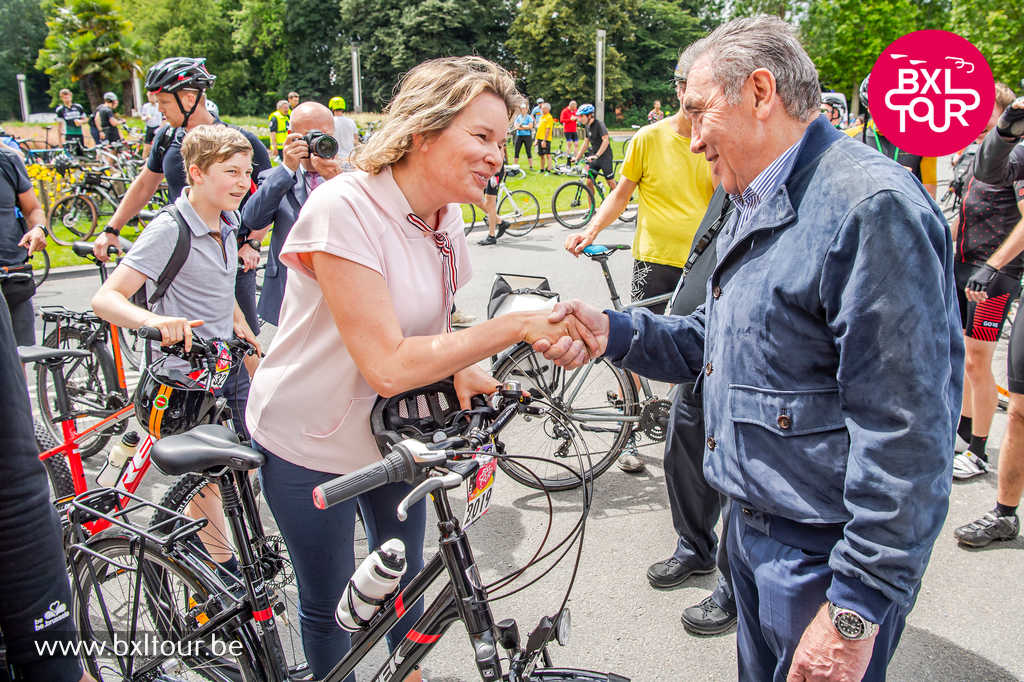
[282, 192]
[831, 360]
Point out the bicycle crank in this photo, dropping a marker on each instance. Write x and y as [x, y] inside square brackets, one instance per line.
[654, 417]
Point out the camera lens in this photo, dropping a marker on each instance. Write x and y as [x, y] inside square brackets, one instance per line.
[321, 144]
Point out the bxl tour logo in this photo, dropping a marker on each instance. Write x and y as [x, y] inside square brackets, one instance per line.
[931, 93]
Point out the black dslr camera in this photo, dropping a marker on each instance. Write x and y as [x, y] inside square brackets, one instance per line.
[321, 144]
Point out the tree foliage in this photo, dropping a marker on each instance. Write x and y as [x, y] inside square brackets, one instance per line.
[91, 42]
[21, 36]
[998, 31]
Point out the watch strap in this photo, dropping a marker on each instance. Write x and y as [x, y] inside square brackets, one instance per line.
[110, 230]
[850, 624]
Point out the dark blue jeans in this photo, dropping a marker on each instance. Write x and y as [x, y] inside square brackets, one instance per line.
[236, 390]
[245, 295]
[321, 545]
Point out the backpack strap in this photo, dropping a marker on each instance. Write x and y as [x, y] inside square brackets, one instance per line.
[178, 257]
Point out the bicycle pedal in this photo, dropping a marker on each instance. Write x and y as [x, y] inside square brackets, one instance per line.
[614, 400]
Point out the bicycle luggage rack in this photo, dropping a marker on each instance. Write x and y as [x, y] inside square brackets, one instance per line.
[109, 504]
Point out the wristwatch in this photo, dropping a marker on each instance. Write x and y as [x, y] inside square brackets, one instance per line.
[41, 227]
[850, 624]
[109, 230]
[254, 244]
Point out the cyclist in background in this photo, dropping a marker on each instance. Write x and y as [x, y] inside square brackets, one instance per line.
[180, 85]
[596, 139]
[107, 121]
[345, 130]
[278, 123]
[923, 167]
[153, 118]
[833, 106]
[72, 117]
[523, 126]
[21, 234]
[545, 133]
[655, 114]
[568, 120]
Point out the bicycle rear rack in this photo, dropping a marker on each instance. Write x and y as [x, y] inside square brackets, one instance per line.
[115, 505]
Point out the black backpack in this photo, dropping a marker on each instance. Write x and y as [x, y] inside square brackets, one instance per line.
[178, 257]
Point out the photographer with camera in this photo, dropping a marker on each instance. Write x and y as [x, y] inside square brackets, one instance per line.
[309, 158]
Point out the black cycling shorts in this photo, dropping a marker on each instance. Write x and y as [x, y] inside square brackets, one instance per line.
[984, 321]
[544, 147]
[150, 134]
[524, 141]
[571, 137]
[495, 182]
[1015, 359]
[654, 279]
[603, 165]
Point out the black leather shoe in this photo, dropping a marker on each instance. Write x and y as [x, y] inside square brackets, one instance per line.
[671, 572]
[708, 618]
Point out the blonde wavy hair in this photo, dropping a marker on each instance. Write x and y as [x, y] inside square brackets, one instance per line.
[426, 100]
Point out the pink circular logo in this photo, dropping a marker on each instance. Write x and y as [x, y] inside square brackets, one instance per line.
[931, 93]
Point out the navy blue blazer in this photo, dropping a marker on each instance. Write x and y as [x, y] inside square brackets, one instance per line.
[278, 200]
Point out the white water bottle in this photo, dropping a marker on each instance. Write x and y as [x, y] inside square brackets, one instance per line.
[123, 451]
[375, 579]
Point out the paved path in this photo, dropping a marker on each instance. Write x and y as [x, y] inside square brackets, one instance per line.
[967, 624]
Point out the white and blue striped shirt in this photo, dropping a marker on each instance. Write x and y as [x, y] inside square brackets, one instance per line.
[766, 182]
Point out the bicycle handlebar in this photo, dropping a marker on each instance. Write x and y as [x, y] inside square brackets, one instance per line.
[202, 348]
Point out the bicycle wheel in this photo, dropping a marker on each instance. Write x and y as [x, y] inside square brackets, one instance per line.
[573, 205]
[132, 348]
[592, 411]
[280, 578]
[158, 599]
[75, 213]
[57, 469]
[469, 217]
[92, 389]
[521, 210]
[40, 261]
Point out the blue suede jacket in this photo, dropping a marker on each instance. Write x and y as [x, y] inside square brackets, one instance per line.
[831, 356]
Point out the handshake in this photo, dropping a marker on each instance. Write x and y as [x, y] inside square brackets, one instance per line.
[570, 335]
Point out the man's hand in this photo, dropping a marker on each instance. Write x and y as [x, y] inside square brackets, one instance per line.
[104, 242]
[294, 151]
[823, 654]
[327, 168]
[473, 381]
[173, 329]
[576, 242]
[33, 240]
[249, 256]
[566, 352]
[981, 279]
[1011, 123]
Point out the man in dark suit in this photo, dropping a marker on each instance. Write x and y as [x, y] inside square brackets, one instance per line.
[282, 192]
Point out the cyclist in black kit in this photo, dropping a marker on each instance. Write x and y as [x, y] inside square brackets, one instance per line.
[1000, 162]
[180, 84]
[597, 141]
[35, 600]
[106, 120]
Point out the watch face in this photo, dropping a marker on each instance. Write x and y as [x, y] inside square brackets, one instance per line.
[849, 624]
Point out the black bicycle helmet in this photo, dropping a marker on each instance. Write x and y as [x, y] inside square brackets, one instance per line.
[174, 74]
[168, 402]
[864, 93]
[418, 414]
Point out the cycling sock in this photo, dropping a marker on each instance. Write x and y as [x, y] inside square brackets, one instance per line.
[964, 429]
[1003, 510]
[978, 446]
[230, 567]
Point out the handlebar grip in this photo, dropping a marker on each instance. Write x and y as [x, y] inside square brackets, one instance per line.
[397, 466]
[150, 334]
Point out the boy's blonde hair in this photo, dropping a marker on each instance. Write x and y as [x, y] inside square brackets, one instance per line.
[206, 145]
[426, 101]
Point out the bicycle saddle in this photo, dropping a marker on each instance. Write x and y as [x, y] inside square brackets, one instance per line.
[205, 447]
[47, 355]
[595, 250]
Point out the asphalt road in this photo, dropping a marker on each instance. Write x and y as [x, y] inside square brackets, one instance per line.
[968, 620]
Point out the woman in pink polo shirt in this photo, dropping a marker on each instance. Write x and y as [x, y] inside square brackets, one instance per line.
[377, 256]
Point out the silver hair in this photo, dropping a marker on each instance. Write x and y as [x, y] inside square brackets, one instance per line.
[738, 48]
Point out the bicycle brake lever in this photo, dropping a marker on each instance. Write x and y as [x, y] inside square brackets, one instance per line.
[452, 480]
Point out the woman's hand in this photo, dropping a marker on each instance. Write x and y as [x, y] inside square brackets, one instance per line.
[173, 329]
[546, 327]
[473, 381]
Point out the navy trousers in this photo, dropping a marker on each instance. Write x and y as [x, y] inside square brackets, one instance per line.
[779, 588]
[245, 294]
[321, 546]
[694, 504]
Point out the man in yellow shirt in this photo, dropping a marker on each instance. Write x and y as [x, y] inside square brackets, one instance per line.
[674, 187]
[545, 131]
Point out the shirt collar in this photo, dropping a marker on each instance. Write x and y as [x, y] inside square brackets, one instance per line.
[387, 195]
[768, 180]
[228, 220]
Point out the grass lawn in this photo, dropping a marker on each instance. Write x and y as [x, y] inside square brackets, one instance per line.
[543, 186]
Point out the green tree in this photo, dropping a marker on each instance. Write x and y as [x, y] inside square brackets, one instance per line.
[91, 42]
[311, 33]
[21, 36]
[662, 29]
[998, 31]
[395, 35]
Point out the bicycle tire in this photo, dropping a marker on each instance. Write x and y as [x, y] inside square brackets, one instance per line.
[90, 391]
[40, 268]
[564, 436]
[57, 470]
[132, 348]
[173, 601]
[283, 584]
[470, 225]
[76, 213]
[573, 205]
[521, 210]
[572, 675]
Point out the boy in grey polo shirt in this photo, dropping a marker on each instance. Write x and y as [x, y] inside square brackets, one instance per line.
[218, 163]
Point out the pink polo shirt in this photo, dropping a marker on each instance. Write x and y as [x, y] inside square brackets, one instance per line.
[309, 404]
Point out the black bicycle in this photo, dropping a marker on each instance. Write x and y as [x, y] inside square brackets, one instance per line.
[573, 203]
[228, 628]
